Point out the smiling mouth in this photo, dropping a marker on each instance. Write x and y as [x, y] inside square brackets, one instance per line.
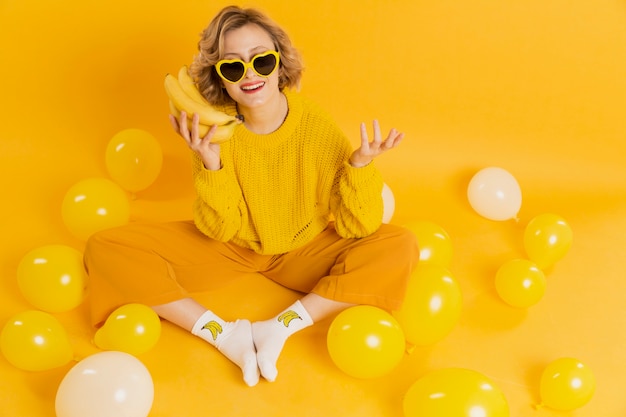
[253, 87]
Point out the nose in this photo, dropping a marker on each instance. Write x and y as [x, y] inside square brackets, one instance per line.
[249, 72]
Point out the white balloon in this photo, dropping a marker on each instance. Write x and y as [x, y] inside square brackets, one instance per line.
[495, 194]
[106, 384]
[389, 203]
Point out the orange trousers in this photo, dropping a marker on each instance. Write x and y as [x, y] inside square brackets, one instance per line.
[154, 264]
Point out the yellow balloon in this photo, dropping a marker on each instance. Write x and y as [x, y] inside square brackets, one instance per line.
[106, 384]
[432, 305]
[454, 392]
[365, 342]
[133, 159]
[94, 204]
[520, 283]
[52, 278]
[566, 384]
[35, 341]
[434, 242]
[547, 239]
[132, 328]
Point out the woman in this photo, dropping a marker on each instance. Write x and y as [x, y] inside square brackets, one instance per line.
[264, 204]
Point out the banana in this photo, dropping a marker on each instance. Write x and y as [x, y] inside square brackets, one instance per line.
[203, 129]
[183, 102]
[189, 86]
[288, 316]
[222, 134]
[214, 327]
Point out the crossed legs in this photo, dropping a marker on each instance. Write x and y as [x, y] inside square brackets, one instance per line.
[154, 264]
[254, 347]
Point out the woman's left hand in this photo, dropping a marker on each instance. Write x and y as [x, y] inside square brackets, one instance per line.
[370, 150]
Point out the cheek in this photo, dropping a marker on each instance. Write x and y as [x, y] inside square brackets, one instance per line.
[279, 77]
[275, 78]
[231, 89]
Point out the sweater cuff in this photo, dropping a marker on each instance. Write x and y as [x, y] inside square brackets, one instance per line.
[361, 175]
[212, 179]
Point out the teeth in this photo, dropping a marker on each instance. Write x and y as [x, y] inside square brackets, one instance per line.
[252, 87]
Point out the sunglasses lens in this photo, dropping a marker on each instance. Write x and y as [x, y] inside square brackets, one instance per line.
[232, 71]
[264, 65]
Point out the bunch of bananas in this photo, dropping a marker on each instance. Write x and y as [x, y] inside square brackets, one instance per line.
[184, 96]
[288, 316]
[214, 327]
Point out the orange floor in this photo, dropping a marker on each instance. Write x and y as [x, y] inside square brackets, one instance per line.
[537, 89]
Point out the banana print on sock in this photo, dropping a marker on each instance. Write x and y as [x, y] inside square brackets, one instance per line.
[214, 327]
[288, 316]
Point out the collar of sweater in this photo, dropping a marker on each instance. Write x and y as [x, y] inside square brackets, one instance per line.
[285, 131]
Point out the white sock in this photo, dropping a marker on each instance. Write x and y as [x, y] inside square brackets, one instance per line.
[233, 339]
[270, 336]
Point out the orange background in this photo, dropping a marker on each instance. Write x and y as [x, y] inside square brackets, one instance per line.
[536, 87]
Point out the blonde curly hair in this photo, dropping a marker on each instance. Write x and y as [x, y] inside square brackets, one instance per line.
[211, 50]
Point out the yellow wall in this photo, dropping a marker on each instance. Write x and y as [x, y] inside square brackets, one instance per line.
[535, 86]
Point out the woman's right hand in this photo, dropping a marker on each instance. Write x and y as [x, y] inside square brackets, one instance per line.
[208, 152]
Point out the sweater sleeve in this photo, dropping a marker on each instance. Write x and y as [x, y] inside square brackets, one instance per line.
[357, 202]
[217, 209]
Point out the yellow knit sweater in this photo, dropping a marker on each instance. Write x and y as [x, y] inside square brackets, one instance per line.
[276, 192]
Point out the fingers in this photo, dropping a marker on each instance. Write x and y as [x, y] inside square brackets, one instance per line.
[195, 136]
[210, 133]
[174, 122]
[397, 141]
[183, 129]
[376, 141]
[391, 141]
[191, 136]
[364, 138]
[377, 136]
